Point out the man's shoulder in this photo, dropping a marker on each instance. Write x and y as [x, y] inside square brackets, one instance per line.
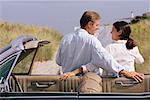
[80, 36]
[67, 36]
[91, 39]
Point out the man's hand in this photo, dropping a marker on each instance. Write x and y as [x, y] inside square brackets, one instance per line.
[136, 76]
[67, 75]
[71, 74]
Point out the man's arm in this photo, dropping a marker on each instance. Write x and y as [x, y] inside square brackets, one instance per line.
[101, 58]
[71, 74]
[136, 76]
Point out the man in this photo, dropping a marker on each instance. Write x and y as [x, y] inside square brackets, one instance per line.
[80, 50]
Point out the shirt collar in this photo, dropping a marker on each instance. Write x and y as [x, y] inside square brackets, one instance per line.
[121, 41]
[78, 29]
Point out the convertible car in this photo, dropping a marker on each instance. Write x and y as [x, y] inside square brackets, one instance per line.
[17, 82]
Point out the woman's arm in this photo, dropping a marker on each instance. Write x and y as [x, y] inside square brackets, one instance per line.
[138, 57]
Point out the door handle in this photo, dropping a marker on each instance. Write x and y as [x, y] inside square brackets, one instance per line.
[43, 84]
[126, 83]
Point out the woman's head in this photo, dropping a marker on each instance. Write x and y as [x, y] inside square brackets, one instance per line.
[90, 21]
[121, 31]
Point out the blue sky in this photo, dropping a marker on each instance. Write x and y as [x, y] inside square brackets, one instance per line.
[64, 15]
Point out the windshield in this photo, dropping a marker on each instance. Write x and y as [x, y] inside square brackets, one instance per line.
[25, 59]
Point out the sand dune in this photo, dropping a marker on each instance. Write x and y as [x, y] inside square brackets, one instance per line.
[46, 67]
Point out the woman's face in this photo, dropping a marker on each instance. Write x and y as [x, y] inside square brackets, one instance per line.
[115, 34]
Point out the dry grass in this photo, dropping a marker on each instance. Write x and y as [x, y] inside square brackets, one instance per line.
[9, 31]
[141, 34]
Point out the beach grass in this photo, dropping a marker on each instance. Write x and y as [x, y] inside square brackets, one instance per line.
[8, 32]
[141, 34]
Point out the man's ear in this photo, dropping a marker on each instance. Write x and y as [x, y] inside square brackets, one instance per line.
[90, 23]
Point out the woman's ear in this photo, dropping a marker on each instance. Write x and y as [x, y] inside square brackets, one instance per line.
[120, 32]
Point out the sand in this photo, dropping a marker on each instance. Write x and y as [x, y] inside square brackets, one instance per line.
[46, 67]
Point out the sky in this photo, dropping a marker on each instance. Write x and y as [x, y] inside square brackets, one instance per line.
[64, 15]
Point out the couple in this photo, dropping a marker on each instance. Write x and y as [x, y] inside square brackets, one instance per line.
[82, 52]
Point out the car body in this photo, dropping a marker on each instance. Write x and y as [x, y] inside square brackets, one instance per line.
[21, 53]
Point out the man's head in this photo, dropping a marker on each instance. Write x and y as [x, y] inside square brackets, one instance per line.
[90, 21]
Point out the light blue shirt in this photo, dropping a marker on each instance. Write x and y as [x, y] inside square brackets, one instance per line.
[80, 48]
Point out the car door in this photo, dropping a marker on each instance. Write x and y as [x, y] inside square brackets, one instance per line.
[126, 85]
[43, 83]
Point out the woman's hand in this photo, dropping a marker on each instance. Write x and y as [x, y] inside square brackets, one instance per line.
[135, 75]
[67, 75]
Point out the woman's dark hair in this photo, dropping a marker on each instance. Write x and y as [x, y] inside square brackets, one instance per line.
[87, 17]
[130, 43]
[125, 30]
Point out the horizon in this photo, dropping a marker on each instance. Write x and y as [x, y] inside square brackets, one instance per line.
[64, 15]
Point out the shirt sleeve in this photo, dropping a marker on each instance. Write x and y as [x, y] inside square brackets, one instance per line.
[60, 50]
[108, 48]
[84, 69]
[89, 68]
[138, 57]
[58, 56]
[102, 59]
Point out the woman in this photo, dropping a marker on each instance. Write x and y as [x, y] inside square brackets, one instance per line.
[124, 49]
